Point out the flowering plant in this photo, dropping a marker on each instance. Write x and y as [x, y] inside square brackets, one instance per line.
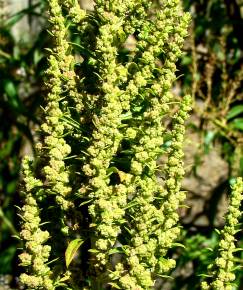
[109, 115]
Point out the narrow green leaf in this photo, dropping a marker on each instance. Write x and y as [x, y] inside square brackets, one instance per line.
[116, 251]
[237, 124]
[235, 111]
[238, 267]
[85, 202]
[178, 245]
[205, 275]
[93, 251]
[111, 170]
[238, 250]
[71, 250]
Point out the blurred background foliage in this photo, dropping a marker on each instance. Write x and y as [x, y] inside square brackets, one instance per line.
[22, 63]
[210, 70]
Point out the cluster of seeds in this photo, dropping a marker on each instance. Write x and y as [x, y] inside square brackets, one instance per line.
[222, 270]
[104, 129]
[35, 254]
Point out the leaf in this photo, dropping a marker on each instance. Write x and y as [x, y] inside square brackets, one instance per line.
[237, 250]
[83, 49]
[209, 137]
[131, 204]
[238, 267]
[71, 122]
[6, 258]
[93, 251]
[11, 187]
[14, 19]
[126, 116]
[111, 170]
[19, 15]
[178, 245]
[186, 60]
[38, 55]
[85, 202]
[10, 89]
[237, 124]
[235, 111]
[204, 275]
[116, 251]
[71, 250]
[63, 279]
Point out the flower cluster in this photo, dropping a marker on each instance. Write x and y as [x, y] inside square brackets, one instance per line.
[36, 253]
[109, 201]
[119, 103]
[75, 12]
[62, 79]
[222, 271]
[153, 228]
[52, 152]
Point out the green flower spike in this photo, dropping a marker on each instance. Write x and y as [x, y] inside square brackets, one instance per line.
[222, 271]
[36, 253]
[148, 221]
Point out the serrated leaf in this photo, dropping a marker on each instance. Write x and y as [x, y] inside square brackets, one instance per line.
[235, 111]
[71, 250]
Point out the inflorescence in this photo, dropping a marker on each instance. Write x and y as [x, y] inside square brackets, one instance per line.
[105, 126]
